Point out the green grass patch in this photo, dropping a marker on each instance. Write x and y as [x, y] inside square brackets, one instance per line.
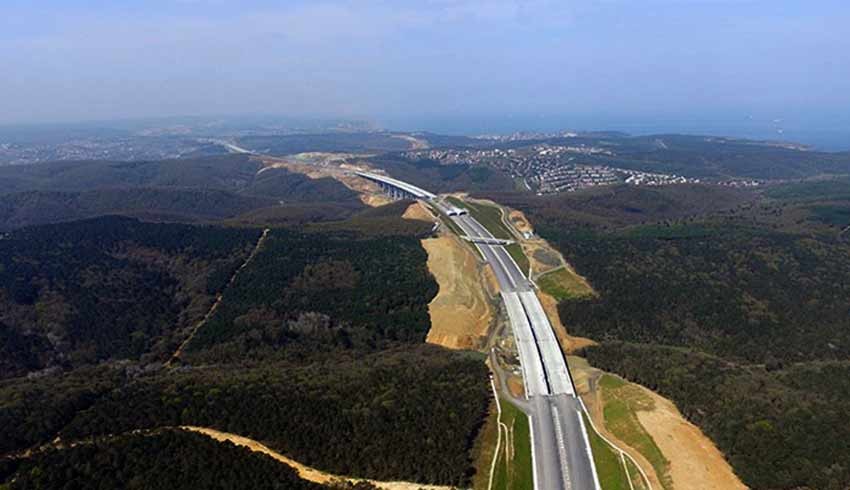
[515, 249]
[514, 467]
[562, 284]
[622, 401]
[491, 218]
[609, 467]
[635, 475]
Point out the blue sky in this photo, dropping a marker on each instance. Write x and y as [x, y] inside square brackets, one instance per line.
[410, 62]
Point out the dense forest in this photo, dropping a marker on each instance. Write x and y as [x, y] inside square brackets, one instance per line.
[405, 413]
[186, 190]
[108, 288]
[735, 305]
[780, 426]
[316, 348]
[435, 177]
[738, 292]
[310, 291]
[164, 459]
[161, 204]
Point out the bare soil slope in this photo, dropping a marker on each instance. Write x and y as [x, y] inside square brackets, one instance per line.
[694, 461]
[461, 312]
[305, 472]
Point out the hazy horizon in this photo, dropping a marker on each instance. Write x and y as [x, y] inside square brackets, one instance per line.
[452, 65]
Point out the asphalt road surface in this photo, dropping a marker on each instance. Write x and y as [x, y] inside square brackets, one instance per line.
[560, 447]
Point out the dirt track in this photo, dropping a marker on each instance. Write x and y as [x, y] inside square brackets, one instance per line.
[304, 472]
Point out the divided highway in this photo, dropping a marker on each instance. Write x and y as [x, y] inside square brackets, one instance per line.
[560, 447]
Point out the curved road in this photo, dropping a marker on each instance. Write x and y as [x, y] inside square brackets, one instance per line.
[560, 448]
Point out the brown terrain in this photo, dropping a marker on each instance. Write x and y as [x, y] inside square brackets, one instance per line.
[569, 343]
[304, 472]
[695, 462]
[333, 165]
[461, 312]
[419, 212]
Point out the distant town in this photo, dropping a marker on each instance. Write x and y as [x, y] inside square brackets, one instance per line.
[547, 169]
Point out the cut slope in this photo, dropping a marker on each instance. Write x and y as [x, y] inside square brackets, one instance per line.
[461, 312]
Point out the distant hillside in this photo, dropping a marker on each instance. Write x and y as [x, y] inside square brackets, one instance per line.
[433, 176]
[208, 188]
[315, 349]
[79, 293]
[327, 142]
[734, 304]
[711, 157]
[167, 204]
[623, 205]
[235, 173]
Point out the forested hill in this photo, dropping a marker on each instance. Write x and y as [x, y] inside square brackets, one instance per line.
[166, 459]
[207, 188]
[315, 348]
[431, 175]
[727, 304]
[708, 156]
[108, 288]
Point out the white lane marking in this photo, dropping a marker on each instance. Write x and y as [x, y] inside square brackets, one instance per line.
[587, 448]
[534, 376]
[504, 267]
[533, 454]
[562, 448]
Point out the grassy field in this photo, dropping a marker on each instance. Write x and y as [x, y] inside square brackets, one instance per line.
[609, 467]
[621, 401]
[637, 480]
[513, 468]
[562, 284]
[489, 216]
[483, 450]
[519, 256]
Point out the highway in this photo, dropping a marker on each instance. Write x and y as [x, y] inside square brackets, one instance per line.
[559, 443]
[560, 447]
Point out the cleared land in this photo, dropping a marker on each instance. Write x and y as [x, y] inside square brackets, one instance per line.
[674, 453]
[418, 211]
[461, 312]
[695, 462]
[305, 472]
[320, 165]
[564, 284]
[621, 403]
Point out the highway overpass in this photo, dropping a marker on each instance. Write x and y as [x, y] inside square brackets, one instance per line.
[561, 453]
[560, 444]
[397, 188]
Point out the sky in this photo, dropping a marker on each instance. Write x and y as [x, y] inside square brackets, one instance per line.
[430, 63]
